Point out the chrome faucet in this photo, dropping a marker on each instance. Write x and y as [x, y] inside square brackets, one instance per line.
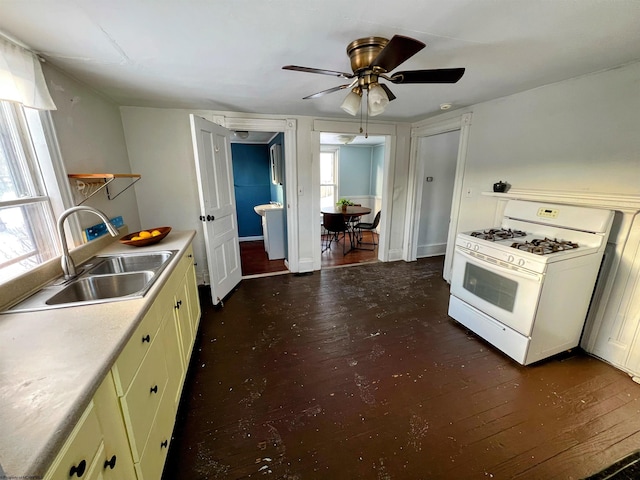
[68, 267]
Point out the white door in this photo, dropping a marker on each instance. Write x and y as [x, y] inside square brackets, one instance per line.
[218, 205]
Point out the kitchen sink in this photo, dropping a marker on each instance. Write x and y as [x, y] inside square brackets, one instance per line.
[134, 262]
[101, 287]
[103, 278]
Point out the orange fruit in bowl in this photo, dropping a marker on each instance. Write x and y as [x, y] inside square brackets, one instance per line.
[144, 234]
[137, 237]
[155, 233]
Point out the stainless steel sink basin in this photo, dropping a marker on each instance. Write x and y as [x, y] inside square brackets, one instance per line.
[133, 262]
[104, 278]
[101, 287]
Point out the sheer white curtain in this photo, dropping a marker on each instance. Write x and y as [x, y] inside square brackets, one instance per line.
[21, 77]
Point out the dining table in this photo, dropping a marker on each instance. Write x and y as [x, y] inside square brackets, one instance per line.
[351, 214]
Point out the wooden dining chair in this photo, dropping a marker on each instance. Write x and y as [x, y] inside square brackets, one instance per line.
[334, 225]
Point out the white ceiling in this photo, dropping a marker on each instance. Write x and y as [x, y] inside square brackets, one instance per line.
[227, 55]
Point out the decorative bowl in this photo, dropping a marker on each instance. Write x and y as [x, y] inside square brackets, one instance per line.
[126, 240]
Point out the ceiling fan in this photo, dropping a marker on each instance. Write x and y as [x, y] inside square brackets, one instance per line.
[372, 59]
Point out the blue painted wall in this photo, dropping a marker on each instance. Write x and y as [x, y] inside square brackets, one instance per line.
[355, 171]
[377, 170]
[277, 191]
[252, 185]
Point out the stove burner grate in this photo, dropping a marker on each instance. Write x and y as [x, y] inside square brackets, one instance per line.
[494, 234]
[544, 246]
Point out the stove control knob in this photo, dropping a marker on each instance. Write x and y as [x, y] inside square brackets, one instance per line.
[476, 247]
[469, 245]
[510, 259]
[521, 262]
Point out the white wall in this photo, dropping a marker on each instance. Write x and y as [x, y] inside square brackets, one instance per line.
[91, 139]
[579, 135]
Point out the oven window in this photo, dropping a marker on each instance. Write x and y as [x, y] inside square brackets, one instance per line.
[491, 287]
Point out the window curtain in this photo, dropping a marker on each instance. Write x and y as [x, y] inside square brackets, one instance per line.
[21, 77]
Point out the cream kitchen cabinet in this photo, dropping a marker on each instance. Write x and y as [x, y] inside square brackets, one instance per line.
[158, 353]
[98, 447]
[126, 429]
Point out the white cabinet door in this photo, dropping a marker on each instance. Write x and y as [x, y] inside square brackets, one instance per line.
[218, 205]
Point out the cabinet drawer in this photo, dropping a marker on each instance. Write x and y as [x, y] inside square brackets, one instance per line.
[81, 448]
[141, 402]
[152, 461]
[135, 350]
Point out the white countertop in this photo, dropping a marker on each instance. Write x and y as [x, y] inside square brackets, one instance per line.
[53, 361]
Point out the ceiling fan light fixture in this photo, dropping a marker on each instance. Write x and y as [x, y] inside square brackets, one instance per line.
[351, 103]
[346, 139]
[242, 134]
[377, 99]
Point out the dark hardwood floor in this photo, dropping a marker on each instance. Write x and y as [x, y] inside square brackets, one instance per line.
[255, 260]
[358, 373]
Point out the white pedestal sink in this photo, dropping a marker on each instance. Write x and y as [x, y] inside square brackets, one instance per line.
[272, 229]
[260, 209]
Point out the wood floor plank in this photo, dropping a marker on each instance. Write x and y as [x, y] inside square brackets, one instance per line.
[358, 373]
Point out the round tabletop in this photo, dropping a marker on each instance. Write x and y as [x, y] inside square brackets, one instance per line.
[352, 211]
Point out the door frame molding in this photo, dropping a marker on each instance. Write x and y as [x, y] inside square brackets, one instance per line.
[289, 127]
[333, 126]
[415, 185]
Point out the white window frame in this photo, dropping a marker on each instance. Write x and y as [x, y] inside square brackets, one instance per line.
[45, 169]
[336, 171]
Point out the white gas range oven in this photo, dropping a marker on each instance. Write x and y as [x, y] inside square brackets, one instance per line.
[526, 285]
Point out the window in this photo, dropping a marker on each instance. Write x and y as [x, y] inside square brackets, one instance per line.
[27, 225]
[328, 177]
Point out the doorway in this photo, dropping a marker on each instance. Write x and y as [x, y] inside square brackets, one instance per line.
[426, 141]
[259, 187]
[351, 169]
[437, 156]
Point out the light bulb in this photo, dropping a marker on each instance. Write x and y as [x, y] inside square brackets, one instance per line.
[377, 99]
[351, 103]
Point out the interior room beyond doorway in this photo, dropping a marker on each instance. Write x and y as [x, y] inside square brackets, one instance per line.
[259, 187]
[351, 169]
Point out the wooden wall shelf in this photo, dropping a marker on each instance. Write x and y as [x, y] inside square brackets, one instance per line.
[88, 184]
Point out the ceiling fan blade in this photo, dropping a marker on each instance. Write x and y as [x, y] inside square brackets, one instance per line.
[442, 75]
[388, 92]
[398, 50]
[318, 70]
[324, 92]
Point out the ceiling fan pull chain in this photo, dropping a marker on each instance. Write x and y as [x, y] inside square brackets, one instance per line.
[361, 110]
[366, 124]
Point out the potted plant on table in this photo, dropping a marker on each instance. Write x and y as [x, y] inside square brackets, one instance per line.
[344, 203]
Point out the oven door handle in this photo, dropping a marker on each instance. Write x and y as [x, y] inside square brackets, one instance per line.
[490, 265]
